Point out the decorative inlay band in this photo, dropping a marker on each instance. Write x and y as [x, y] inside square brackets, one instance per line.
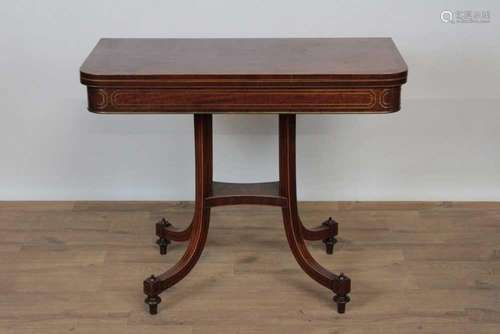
[361, 99]
[240, 100]
[103, 102]
[385, 98]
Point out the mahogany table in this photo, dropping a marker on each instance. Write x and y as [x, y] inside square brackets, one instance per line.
[262, 76]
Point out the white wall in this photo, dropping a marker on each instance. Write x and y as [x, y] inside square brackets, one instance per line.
[443, 145]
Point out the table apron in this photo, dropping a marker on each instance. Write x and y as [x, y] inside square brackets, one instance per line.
[334, 100]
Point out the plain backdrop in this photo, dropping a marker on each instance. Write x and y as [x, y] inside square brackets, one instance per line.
[443, 145]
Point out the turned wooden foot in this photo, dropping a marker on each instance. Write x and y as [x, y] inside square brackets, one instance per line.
[330, 242]
[163, 244]
[162, 241]
[152, 299]
[153, 302]
[342, 287]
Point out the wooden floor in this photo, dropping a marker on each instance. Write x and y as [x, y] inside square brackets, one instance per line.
[416, 268]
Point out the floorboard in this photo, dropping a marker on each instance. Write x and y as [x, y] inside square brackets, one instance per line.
[416, 267]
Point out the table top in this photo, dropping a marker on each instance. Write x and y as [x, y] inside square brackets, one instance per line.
[244, 75]
[328, 57]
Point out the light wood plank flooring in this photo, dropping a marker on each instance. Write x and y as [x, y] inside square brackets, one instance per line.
[77, 267]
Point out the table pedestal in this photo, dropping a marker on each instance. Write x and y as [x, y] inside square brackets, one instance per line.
[210, 194]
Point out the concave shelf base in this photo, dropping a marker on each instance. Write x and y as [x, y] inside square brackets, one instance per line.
[264, 193]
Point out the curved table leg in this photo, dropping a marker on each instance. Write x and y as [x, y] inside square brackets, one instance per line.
[327, 232]
[198, 230]
[166, 233]
[339, 284]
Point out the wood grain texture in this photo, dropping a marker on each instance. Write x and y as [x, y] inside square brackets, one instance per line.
[355, 100]
[419, 267]
[290, 75]
[332, 58]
